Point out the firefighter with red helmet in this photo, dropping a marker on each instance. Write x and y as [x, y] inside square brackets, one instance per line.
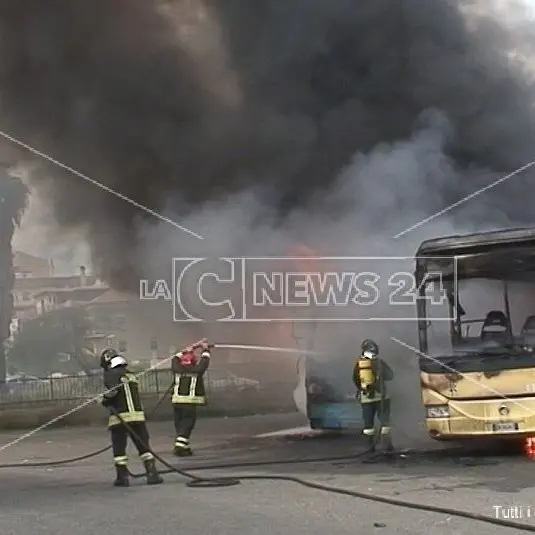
[123, 401]
[188, 393]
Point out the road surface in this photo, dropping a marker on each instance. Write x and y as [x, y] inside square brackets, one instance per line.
[79, 499]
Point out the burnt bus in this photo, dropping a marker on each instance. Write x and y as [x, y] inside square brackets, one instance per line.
[477, 343]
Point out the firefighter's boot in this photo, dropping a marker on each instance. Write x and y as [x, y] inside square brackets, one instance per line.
[181, 451]
[386, 444]
[370, 442]
[153, 477]
[121, 479]
[182, 448]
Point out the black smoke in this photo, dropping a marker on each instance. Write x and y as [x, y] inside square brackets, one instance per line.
[365, 71]
[106, 87]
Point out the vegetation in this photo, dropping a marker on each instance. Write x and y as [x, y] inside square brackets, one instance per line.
[13, 203]
[54, 342]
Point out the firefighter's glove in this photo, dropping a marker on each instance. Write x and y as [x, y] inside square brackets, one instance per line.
[205, 346]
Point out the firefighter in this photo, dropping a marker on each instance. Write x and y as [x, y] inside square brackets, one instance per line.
[370, 375]
[123, 397]
[188, 394]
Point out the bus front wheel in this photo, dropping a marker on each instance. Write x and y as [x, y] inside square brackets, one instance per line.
[315, 424]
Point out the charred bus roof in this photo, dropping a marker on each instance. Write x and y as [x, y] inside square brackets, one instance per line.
[502, 254]
[462, 244]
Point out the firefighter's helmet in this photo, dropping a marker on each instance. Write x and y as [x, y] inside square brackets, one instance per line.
[106, 356]
[369, 348]
[187, 357]
[117, 361]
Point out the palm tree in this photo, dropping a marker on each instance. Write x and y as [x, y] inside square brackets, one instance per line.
[13, 203]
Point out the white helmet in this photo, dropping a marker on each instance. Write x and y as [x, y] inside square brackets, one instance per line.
[117, 361]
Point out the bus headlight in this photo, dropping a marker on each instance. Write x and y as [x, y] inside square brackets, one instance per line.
[437, 411]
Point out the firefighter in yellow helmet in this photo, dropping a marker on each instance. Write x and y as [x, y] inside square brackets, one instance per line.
[370, 375]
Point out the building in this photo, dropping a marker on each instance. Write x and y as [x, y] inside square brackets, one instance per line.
[37, 289]
[27, 265]
[108, 314]
[116, 319]
[143, 330]
[50, 299]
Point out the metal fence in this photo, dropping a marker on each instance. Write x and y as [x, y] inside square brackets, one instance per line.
[83, 387]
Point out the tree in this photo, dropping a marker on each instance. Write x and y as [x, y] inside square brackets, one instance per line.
[53, 342]
[13, 203]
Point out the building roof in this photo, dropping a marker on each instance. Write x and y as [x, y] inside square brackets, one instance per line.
[52, 282]
[34, 265]
[109, 297]
[77, 289]
[23, 306]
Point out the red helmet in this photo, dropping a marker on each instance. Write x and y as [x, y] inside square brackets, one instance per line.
[187, 358]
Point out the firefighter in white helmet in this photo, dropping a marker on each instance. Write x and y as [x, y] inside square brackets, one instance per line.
[123, 396]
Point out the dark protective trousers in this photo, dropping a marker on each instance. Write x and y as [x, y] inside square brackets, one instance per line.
[185, 420]
[119, 439]
[381, 409]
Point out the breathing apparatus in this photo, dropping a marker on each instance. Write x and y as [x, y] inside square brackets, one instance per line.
[367, 366]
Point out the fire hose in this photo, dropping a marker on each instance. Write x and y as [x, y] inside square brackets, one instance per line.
[227, 481]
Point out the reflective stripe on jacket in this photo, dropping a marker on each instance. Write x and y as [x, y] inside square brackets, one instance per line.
[123, 393]
[188, 387]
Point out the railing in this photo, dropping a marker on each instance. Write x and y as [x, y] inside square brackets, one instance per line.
[156, 382]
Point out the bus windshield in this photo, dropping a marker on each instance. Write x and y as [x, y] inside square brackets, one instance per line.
[487, 315]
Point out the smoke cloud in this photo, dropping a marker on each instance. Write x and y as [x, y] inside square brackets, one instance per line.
[349, 122]
[109, 89]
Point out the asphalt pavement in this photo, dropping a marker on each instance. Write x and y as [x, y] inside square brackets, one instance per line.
[79, 499]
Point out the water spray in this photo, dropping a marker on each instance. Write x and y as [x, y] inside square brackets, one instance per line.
[192, 346]
[273, 349]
